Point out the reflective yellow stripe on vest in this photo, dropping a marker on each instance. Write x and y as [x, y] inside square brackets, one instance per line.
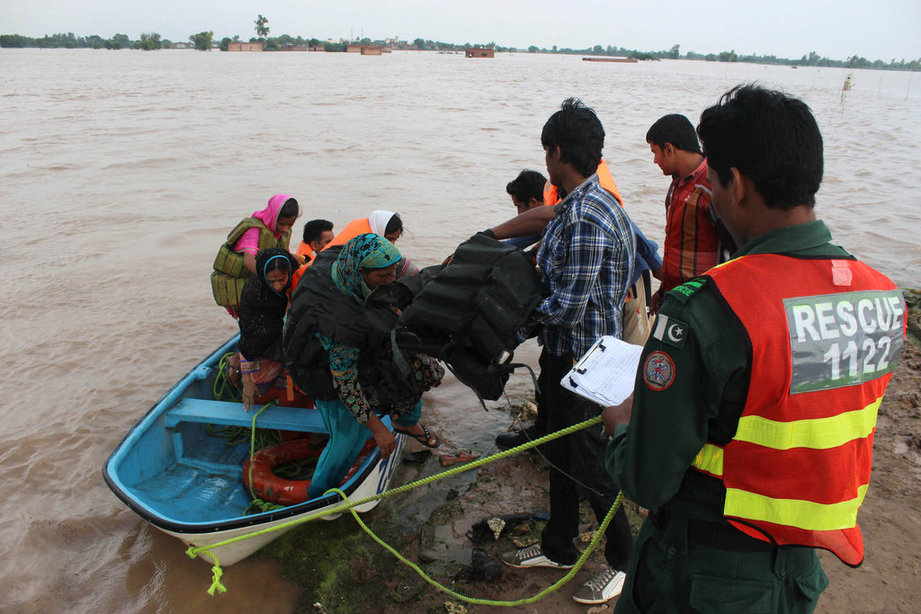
[817, 434]
[710, 459]
[807, 515]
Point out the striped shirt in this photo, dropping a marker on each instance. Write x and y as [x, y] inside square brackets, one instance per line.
[586, 258]
[692, 244]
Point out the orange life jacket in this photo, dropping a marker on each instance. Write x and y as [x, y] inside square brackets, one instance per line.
[605, 179]
[352, 229]
[305, 251]
[825, 339]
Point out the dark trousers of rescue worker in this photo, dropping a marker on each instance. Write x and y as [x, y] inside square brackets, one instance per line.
[577, 471]
[682, 564]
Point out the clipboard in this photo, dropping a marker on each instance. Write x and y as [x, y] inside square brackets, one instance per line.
[606, 373]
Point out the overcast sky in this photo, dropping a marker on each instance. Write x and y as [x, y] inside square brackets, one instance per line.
[882, 29]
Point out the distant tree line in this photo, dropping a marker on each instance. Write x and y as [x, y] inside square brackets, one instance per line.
[148, 41]
[203, 41]
[812, 59]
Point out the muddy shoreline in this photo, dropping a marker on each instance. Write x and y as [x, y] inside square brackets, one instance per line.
[340, 569]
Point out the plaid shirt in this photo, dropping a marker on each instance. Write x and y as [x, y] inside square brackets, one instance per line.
[586, 259]
[692, 243]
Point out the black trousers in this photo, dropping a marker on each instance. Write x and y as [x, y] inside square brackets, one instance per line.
[578, 470]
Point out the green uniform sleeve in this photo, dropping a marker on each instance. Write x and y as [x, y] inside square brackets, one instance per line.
[692, 371]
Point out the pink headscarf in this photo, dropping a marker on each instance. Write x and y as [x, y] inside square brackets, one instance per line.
[269, 215]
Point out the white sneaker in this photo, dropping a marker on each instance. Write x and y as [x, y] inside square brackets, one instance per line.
[603, 587]
[532, 556]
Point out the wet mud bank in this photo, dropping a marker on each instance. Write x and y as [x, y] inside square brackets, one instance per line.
[340, 569]
[437, 526]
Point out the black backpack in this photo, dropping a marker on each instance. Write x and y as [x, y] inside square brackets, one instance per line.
[469, 312]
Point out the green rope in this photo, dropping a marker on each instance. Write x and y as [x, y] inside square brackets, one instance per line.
[193, 551]
[475, 600]
[222, 389]
[257, 504]
[216, 574]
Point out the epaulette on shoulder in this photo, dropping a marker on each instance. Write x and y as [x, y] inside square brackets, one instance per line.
[685, 291]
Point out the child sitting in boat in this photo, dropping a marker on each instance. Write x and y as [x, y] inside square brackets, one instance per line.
[317, 234]
[386, 224]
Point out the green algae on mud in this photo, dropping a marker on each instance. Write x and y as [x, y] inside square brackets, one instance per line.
[335, 563]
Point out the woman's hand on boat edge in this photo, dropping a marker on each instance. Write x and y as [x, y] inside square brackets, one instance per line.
[382, 436]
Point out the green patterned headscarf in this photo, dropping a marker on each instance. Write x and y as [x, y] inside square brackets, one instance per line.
[367, 251]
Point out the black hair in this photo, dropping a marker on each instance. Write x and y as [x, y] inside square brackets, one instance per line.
[675, 129]
[289, 209]
[278, 264]
[578, 132]
[314, 229]
[395, 224]
[771, 138]
[527, 185]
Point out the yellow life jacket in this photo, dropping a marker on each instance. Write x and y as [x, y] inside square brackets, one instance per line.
[229, 273]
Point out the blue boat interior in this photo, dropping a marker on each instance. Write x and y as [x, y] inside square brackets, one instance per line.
[176, 471]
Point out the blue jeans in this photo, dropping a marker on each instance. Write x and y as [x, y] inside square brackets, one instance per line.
[346, 439]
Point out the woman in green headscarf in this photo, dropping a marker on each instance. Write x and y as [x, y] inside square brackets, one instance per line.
[337, 344]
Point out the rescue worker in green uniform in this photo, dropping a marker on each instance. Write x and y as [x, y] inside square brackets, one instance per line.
[749, 434]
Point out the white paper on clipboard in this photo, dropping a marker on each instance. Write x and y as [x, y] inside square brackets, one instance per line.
[606, 373]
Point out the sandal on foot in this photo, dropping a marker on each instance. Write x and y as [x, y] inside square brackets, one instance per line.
[424, 437]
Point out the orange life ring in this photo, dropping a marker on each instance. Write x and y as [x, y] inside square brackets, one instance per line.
[269, 487]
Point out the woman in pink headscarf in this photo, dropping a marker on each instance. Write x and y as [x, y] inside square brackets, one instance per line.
[236, 260]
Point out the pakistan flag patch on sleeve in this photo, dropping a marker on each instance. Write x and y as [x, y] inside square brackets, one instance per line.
[670, 331]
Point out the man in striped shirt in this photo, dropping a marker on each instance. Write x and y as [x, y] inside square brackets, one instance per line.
[694, 242]
[586, 260]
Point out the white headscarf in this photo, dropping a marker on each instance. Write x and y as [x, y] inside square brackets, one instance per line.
[379, 219]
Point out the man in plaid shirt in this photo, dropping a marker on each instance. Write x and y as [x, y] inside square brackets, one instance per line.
[586, 259]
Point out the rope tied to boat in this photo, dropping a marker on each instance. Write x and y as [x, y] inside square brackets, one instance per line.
[194, 551]
[216, 573]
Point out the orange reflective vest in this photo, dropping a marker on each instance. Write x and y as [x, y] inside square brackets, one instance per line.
[825, 340]
[352, 229]
[605, 179]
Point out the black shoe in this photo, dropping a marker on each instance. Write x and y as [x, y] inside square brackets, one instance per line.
[514, 439]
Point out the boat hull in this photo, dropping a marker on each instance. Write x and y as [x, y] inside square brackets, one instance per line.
[177, 471]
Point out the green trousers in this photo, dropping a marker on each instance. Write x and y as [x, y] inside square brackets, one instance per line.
[675, 570]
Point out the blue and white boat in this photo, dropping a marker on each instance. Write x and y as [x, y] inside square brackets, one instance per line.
[188, 483]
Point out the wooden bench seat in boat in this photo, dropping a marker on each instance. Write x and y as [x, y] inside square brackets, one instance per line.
[233, 414]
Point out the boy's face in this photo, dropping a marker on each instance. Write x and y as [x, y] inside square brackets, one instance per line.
[664, 158]
[322, 242]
